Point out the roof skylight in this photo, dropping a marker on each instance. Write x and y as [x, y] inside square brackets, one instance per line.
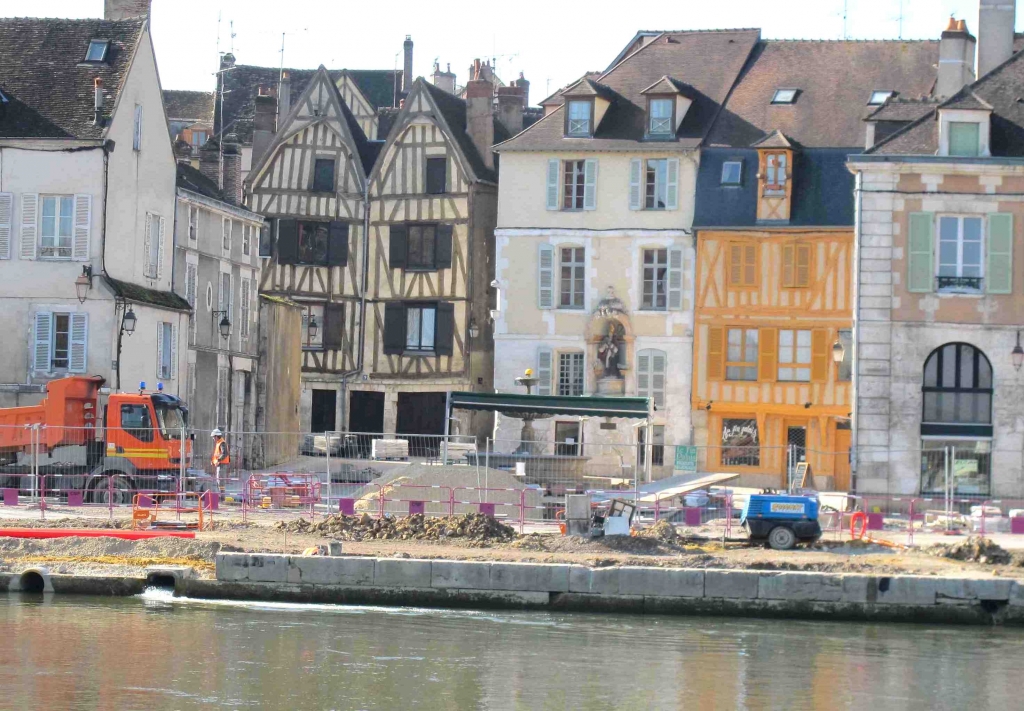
[97, 51]
[785, 96]
[879, 97]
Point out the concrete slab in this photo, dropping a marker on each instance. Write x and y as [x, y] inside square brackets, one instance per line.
[401, 573]
[731, 584]
[906, 590]
[661, 582]
[858, 588]
[232, 567]
[538, 577]
[460, 574]
[799, 586]
[326, 570]
[268, 568]
[602, 581]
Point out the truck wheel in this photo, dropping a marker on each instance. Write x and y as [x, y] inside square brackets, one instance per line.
[119, 492]
[781, 538]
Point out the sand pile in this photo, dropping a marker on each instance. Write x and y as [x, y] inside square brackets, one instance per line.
[662, 531]
[474, 528]
[66, 522]
[975, 549]
[107, 556]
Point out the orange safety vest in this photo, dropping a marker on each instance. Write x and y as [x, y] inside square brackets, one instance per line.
[220, 453]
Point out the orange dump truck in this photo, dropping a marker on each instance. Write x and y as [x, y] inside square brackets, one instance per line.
[107, 445]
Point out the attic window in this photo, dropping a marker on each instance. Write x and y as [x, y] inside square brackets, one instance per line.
[97, 51]
[784, 96]
[879, 97]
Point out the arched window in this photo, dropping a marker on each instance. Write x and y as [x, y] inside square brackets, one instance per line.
[957, 392]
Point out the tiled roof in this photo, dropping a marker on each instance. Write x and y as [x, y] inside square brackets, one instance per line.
[965, 99]
[899, 109]
[708, 62]
[454, 111]
[49, 88]
[144, 295]
[835, 80]
[1002, 89]
[775, 139]
[191, 179]
[189, 105]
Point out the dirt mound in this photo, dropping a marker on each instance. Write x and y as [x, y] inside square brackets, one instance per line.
[975, 549]
[662, 531]
[473, 528]
[66, 522]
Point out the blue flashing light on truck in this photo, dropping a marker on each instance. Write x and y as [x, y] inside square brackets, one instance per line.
[781, 520]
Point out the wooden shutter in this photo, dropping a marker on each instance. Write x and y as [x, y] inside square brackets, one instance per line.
[41, 341]
[443, 247]
[334, 325]
[788, 265]
[545, 360]
[398, 246]
[750, 265]
[29, 225]
[147, 248]
[643, 374]
[803, 265]
[6, 224]
[716, 353]
[83, 226]
[659, 364]
[337, 250]
[79, 342]
[672, 192]
[920, 263]
[174, 352]
[444, 329]
[735, 265]
[160, 247]
[675, 278]
[160, 351]
[546, 277]
[394, 328]
[636, 193]
[819, 355]
[768, 354]
[244, 293]
[552, 188]
[191, 282]
[287, 241]
[590, 184]
[267, 237]
[999, 274]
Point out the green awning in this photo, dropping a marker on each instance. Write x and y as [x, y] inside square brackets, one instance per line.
[512, 404]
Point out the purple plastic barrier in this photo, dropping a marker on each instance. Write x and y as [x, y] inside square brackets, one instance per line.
[691, 516]
[75, 498]
[487, 509]
[347, 506]
[416, 507]
[876, 521]
[10, 497]
[1017, 524]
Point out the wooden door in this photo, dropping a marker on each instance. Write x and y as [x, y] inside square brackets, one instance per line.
[842, 463]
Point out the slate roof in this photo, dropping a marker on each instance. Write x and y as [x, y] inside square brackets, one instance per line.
[144, 295]
[189, 105]
[835, 80]
[191, 179]
[706, 61]
[898, 108]
[1002, 89]
[775, 139]
[454, 111]
[49, 88]
[243, 82]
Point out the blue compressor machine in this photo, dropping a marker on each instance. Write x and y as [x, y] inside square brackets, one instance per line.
[781, 520]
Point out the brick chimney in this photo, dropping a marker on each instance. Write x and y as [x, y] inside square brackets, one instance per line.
[97, 102]
[956, 59]
[182, 152]
[995, 34]
[209, 160]
[284, 98]
[524, 84]
[123, 9]
[407, 67]
[510, 108]
[444, 80]
[232, 170]
[480, 114]
[264, 124]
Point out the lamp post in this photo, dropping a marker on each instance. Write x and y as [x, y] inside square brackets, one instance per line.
[128, 323]
[312, 327]
[83, 283]
[1017, 354]
[225, 325]
[838, 352]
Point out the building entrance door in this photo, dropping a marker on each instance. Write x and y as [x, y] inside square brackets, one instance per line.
[567, 439]
[796, 449]
[422, 414]
[323, 411]
[842, 459]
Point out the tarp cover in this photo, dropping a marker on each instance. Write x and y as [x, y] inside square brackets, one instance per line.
[513, 404]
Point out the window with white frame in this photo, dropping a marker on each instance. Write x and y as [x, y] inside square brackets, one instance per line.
[961, 256]
[573, 184]
[732, 172]
[741, 354]
[579, 118]
[650, 375]
[419, 328]
[166, 349]
[226, 228]
[246, 239]
[795, 356]
[137, 129]
[656, 184]
[655, 280]
[572, 277]
[193, 223]
[570, 373]
[55, 232]
[60, 342]
[660, 117]
[97, 51]
[879, 97]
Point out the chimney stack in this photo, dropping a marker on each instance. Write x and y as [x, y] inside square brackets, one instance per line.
[510, 108]
[284, 98]
[524, 84]
[123, 9]
[995, 34]
[232, 170]
[480, 115]
[407, 67]
[264, 124]
[209, 160]
[97, 84]
[956, 59]
[444, 80]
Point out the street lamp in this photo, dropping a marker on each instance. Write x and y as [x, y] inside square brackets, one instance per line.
[224, 325]
[312, 327]
[1017, 354]
[473, 330]
[129, 321]
[83, 283]
[838, 352]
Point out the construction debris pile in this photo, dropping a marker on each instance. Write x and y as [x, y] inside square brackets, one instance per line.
[975, 549]
[473, 528]
[662, 531]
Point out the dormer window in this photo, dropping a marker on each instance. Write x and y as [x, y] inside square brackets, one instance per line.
[964, 138]
[879, 97]
[660, 119]
[97, 51]
[579, 121]
[785, 96]
[775, 173]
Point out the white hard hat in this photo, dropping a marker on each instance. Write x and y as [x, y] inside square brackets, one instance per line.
[217, 433]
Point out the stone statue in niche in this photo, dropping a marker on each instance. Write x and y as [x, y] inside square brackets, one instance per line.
[611, 359]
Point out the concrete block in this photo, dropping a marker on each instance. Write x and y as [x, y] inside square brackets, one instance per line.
[732, 584]
[1016, 594]
[401, 573]
[906, 590]
[537, 577]
[661, 582]
[460, 574]
[268, 568]
[600, 581]
[327, 570]
[973, 590]
[818, 587]
[857, 588]
[232, 567]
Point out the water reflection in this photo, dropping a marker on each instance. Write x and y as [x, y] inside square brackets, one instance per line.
[159, 653]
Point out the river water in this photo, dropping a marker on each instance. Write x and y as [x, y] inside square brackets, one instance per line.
[159, 652]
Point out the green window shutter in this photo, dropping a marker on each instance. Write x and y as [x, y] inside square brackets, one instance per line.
[921, 242]
[999, 274]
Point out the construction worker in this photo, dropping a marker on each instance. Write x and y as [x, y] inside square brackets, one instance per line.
[220, 456]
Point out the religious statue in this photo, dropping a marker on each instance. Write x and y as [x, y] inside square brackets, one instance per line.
[609, 350]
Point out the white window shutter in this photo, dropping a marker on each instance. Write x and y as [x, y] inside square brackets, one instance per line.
[636, 192]
[675, 278]
[83, 227]
[672, 199]
[147, 269]
[6, 224]
[79, 342]
[160, 251]
[41, 342]
[658, 365]
[552, 191]
[590, 184]
[546, 277]
[544, 368]
[643, 374]
[160, 350]
[190, 285]
[29, 225]
[174, 352]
